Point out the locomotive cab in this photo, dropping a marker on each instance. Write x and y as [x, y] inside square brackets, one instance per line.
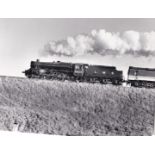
[79, 70]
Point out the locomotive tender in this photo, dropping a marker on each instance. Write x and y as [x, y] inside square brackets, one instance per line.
[137, 77]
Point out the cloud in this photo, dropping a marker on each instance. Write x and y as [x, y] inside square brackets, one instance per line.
[104, 43]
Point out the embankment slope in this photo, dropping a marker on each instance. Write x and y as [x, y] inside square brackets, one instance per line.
[66, 108]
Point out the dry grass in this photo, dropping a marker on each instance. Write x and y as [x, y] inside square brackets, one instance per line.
[67, 108]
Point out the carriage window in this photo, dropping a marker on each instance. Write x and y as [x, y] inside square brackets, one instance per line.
[135, 73]
[95, 72]
[112, 73]
[103, 72]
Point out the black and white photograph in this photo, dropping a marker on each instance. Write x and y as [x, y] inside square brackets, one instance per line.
[77, 76]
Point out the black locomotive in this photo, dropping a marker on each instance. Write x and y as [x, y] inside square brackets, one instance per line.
[137, 77]
[74, 72]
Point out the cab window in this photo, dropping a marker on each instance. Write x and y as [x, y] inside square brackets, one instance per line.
[78, 67]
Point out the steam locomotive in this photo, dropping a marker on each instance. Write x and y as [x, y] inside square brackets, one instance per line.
[137, 77]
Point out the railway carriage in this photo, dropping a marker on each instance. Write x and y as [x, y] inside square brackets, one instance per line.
[141, 77]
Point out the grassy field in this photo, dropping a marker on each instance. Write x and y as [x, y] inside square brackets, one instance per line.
[66, 108]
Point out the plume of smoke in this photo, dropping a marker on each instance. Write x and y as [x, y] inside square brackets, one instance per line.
[104, 43]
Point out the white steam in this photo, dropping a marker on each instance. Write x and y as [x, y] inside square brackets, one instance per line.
[104, 43]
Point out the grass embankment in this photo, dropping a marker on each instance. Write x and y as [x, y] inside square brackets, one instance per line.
[66, 108]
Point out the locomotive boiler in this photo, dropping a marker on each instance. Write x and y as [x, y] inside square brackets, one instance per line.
[74, 72]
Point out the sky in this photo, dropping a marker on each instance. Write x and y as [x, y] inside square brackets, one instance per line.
[23, 40]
